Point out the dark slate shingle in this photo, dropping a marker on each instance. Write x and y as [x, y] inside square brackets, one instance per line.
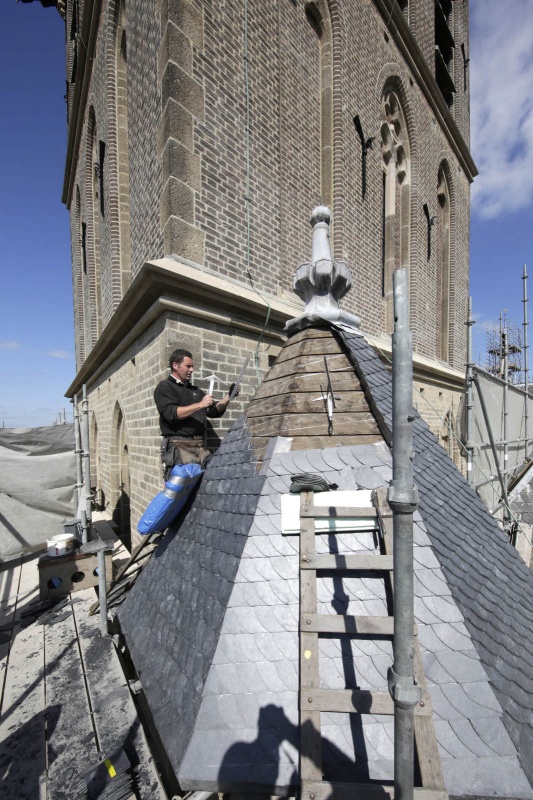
[172, 617]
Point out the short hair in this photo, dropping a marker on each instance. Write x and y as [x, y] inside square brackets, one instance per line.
[177, 356]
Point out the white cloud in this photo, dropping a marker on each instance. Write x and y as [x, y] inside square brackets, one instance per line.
[58, 354]
[9, 345]
[501, 71]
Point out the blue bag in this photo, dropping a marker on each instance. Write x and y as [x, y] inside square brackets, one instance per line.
[165, 505]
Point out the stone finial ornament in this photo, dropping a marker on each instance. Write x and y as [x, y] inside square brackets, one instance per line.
[323, 282]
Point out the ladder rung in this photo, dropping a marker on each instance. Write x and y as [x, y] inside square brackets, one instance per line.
[320, 790]
[349, 701]
[345, 562]
[340, 623]
[346, 700]
[338, 511]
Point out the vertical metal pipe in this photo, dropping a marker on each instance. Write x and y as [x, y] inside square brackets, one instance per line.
[102, 596]
[526, 375]
[469, 399]
[86, 462]
[77, 452]
[403, 499]
[505, 371]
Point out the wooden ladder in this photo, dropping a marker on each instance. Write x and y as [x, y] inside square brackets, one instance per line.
[313, 699]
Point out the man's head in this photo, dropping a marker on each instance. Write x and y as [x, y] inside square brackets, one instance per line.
[181, 365]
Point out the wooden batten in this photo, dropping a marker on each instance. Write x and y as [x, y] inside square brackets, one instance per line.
[289, 401]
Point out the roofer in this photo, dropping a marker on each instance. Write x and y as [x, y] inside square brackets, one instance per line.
[183, 411]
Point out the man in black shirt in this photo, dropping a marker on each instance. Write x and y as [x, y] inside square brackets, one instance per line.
[183, 410]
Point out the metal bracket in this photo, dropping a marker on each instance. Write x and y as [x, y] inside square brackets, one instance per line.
[403, 690]
[402, 501]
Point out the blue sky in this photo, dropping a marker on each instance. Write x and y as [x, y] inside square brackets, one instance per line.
[36, 320]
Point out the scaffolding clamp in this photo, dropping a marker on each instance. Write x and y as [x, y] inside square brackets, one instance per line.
[405, 692]
[402, 500]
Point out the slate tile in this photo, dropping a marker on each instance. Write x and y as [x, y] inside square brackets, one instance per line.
[430, 583]
[486, 777]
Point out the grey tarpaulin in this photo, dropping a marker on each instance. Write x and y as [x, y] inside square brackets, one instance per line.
[37, 482]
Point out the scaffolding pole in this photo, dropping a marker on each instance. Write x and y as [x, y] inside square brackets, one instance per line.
[86, 467]
[526, 377]
[469, 400]
[77, 453]
[403, 500]
[505, 365]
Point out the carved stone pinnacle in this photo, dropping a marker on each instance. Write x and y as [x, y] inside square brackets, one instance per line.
[323, 282]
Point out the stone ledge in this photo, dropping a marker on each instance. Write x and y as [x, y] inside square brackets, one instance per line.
[170, 285]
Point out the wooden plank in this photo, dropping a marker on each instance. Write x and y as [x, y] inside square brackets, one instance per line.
[341, 562]
[425, 738]
[311, 333]
[340, 623]
[308, 382]
[71, 742]
[324, 346]
[23, 712]
[321, 790]
[346, 701]
[336, 512]
[353, 700]
[306, 403]
[314, 425]
[310, 736]
[307, 364]
[319, 442]
[115, 717]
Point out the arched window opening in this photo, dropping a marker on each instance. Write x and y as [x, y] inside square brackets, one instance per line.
[96, 464]
[443, 269]
[396, 197]
[120, 478]
[447, 434]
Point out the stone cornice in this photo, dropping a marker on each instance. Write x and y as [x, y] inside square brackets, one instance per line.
[426, 370]
[406, 42]
[169, 286]
[88, 34]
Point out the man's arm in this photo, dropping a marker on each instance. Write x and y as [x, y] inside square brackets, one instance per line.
[218, 409]
[182, 412]
[165, 400]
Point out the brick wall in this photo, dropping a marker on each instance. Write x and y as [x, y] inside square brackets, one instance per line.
[191, 80]
[127, 388]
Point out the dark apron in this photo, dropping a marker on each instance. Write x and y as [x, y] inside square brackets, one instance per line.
[178, 450]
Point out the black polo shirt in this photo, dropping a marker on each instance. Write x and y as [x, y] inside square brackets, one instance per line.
[168, 395]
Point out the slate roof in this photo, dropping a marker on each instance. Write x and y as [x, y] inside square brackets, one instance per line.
[173, 616]
[488, 580]
[212, 623]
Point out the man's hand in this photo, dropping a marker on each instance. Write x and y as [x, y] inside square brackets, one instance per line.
[186, 411]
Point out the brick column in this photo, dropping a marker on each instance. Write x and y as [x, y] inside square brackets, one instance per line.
[182, 99]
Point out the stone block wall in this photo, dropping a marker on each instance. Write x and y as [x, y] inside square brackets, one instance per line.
[125, 437]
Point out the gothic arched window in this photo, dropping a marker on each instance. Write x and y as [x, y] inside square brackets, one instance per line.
[396, 196]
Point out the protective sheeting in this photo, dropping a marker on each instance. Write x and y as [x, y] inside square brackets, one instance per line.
[492, 390]
[37, 485]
